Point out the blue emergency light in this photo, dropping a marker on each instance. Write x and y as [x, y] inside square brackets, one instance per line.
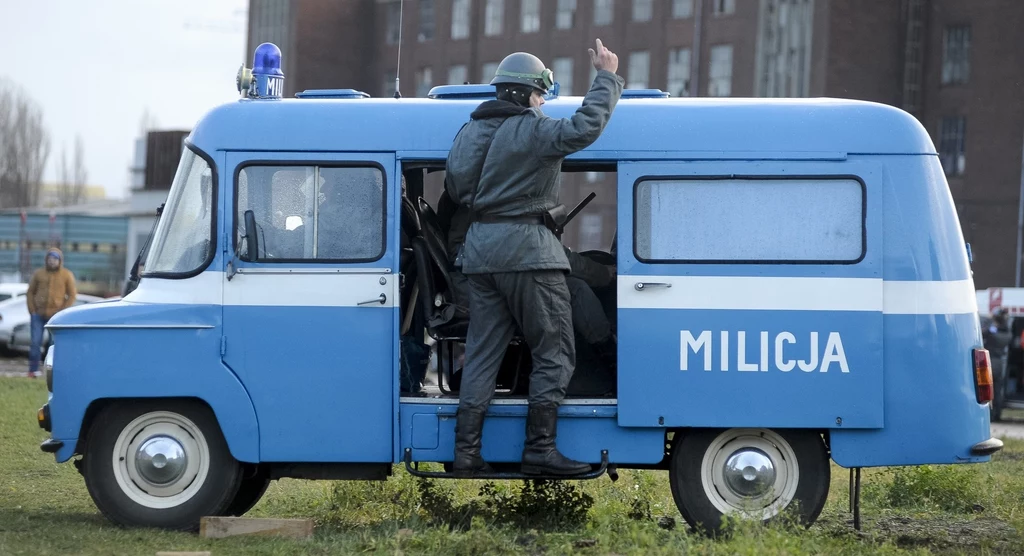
[265, 79]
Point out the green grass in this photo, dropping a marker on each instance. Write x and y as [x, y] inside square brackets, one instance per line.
[45, 509]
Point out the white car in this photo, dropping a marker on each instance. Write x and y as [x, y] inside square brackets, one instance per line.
[15, 324]
[12, 290]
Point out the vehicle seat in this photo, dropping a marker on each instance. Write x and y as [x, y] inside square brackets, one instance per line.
[445, 316]
[447, 320]
[410, 228]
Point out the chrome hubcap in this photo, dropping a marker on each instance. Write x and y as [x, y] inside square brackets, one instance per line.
[161, 460]
[749, 473]
[752, 472]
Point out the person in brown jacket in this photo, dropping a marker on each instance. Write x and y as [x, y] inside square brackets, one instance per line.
[51, 290]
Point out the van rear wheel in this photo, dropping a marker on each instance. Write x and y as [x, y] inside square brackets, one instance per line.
[749, 473]
[158, 463]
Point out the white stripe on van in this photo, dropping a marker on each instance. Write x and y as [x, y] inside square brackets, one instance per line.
[764, 293]
[769, 293]
[287, 288]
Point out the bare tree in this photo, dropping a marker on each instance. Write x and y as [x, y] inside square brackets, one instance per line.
[24, 147]
[71, 188]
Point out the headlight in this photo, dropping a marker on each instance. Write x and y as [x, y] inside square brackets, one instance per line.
[48, 369]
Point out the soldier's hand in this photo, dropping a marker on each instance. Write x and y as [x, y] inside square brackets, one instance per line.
[603, 58]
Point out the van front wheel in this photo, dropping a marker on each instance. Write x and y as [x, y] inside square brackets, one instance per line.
[159, 464]
[749, 473]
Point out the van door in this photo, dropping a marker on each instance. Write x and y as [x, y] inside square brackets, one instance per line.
[750, 294]
[310, 324]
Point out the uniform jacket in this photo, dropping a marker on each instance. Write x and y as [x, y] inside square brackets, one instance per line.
[50, 291]
[521, 176]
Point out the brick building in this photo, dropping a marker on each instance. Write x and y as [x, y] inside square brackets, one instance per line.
[945, 61]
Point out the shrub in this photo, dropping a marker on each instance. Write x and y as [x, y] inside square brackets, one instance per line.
[949, 487]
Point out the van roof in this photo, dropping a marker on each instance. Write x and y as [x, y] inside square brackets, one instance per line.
[687, 128]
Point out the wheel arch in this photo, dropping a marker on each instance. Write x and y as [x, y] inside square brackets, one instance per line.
[240, 428]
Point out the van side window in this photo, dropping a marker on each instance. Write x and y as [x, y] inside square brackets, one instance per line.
[756, 220]
[313, 212]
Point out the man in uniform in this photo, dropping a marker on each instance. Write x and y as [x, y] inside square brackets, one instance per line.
[505, 165]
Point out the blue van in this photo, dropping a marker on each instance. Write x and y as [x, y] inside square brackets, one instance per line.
[793, 288]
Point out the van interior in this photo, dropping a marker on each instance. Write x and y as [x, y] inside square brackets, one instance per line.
[431, 314]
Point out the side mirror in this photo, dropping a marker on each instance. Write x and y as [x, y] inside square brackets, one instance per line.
[252, 248]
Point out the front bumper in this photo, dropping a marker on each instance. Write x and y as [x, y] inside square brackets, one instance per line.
[987, 447]
[51, 446]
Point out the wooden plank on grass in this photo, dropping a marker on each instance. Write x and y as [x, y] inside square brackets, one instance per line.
[216, 527]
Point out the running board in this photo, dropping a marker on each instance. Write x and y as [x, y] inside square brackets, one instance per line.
[604, 467]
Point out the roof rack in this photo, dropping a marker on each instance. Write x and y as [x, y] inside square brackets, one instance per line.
[331, 93]
[462, 91]
[644, 93]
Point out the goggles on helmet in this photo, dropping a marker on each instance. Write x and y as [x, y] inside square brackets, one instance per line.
[547, 77]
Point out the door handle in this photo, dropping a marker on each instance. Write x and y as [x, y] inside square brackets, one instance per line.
[380, 300]
[641, 286]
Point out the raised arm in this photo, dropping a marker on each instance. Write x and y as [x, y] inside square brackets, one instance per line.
[562, 137]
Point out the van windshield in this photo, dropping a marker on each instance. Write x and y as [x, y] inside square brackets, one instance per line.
[182, 244]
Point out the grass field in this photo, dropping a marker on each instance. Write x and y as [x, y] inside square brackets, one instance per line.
[979, 509]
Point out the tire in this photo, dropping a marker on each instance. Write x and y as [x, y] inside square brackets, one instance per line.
[249, 494]
[701, 492]
[204, 485]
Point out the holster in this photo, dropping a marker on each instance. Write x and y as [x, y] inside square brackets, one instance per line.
[554, 218]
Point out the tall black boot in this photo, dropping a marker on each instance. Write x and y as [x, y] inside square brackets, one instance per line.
[469, 428]
[540, 456]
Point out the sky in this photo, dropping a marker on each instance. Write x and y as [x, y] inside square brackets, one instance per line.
[95, 67]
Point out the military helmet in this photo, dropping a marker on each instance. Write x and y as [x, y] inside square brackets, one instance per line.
[522, 68]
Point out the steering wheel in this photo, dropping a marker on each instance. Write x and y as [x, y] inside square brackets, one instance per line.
[598, 256]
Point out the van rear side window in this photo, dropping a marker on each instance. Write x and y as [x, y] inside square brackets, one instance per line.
[750, 220]
[313, 212]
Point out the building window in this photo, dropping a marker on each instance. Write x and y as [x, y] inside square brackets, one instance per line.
[494, 15]
[639, 70]
[720, 82]
[642, 10]
[682, 8]
[562, 68]
[951, 145]
[723, 7]
[566, 14]
[394, 17]
[389, 83]
[679, 72]
[530, 14]
[783, 67]
[460, 19]
[809, 220]
[424, 81]
[956, 50]
[490, 68]
[426, 20]
[457, 75]
[603, 11]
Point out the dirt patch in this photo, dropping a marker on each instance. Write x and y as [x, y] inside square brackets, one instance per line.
[942, 534]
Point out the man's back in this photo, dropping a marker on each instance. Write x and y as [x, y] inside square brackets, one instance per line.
[520, 175]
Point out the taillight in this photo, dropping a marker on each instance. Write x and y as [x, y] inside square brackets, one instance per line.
[982, 376]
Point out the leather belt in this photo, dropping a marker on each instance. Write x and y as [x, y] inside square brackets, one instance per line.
[521, 219]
